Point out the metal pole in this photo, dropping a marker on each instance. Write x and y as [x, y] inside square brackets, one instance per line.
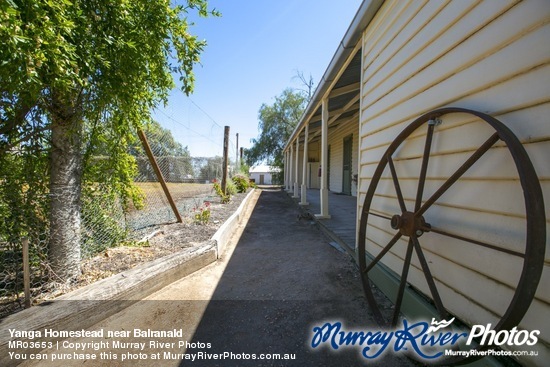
[153, 162]
[26, 273]
[225, 158]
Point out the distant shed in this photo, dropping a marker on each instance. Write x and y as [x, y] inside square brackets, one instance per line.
[263, 175]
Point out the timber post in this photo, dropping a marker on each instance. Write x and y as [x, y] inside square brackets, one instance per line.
[225, 158]
[156, 168]
[26, 272]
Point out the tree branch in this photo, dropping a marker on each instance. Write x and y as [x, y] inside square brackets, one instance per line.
[5, 148]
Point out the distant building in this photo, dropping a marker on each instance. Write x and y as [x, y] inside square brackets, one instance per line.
[263, 175]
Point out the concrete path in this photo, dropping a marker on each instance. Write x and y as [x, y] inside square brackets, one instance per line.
[277, 279]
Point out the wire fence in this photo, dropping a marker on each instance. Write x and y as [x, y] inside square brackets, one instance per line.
[106, 220]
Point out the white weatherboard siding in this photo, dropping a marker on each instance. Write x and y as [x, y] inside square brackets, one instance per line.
[490, 56]
[336, 141]
[300, 167]
[266, 171]
[256, 176]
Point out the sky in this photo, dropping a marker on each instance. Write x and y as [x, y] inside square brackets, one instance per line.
[254, 51]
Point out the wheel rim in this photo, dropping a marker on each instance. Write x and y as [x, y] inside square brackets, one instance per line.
[414, 223]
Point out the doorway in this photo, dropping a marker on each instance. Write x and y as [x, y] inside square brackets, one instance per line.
[347, 164]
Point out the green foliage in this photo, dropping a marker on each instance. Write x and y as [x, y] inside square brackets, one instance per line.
[224, 196]
[102, 220]
[24, 191]
[211, 167]
[136, 244]
[172, 157]
[277, 121]
[24, 207]
[99, 66]
[242, 183]
[112, 61]
[230, 188]
[161, 141]
[112, 167]
[202, 213]
[244, 169]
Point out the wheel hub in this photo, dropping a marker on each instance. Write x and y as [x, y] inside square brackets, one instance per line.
[408, 224]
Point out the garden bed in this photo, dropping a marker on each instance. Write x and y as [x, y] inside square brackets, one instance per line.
[156, 241]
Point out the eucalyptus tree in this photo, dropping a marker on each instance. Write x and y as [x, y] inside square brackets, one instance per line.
[277, 121]
[84, 72]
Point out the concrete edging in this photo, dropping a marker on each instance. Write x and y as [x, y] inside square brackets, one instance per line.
[224, 233]
[108, 296]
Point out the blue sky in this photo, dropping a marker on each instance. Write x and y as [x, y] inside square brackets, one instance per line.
[254, 50]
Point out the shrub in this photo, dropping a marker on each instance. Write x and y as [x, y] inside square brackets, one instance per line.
[103, 223]
[241, 182]
[202, 214]
[230, 188]
[225, 198]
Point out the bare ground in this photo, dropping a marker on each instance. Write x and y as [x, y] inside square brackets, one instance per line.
[275, 281]
[157, 241]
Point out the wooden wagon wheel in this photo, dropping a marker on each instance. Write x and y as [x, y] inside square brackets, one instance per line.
[415, 222]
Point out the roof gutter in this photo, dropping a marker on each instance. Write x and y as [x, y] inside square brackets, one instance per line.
[363, 17]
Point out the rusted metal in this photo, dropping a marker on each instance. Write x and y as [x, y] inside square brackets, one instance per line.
[413, 224]
[383, 252]
[424, 169]
[409, 224]
[429, 279]
[397, 186]
[402, 283]
[471, 240]
[459, 172]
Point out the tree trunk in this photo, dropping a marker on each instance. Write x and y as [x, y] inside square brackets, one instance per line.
[65, 189]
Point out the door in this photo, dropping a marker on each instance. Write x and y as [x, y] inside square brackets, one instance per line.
[262, 179]
[328, 168]
[346, 179]
[313, 179]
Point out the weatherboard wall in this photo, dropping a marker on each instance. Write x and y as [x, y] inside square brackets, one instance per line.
[336, 138]
[489, 56]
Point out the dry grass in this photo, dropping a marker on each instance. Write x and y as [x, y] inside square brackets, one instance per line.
[177, 190]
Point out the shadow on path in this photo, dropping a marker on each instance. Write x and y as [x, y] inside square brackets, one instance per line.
[282, 280]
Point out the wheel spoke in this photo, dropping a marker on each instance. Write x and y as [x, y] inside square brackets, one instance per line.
[379, 215]
[383, 252]
[372, 302]
[397, 186]
[476, 242]
[412, 223]
[469, 163]
[402, 283]
[424, 168]
[429, 278]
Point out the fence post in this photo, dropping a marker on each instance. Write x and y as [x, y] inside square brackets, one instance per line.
[26, 272]
[225, 158]
[237, 162]
[153, 162]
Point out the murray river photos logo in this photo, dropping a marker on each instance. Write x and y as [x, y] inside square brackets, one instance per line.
[428, 341]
